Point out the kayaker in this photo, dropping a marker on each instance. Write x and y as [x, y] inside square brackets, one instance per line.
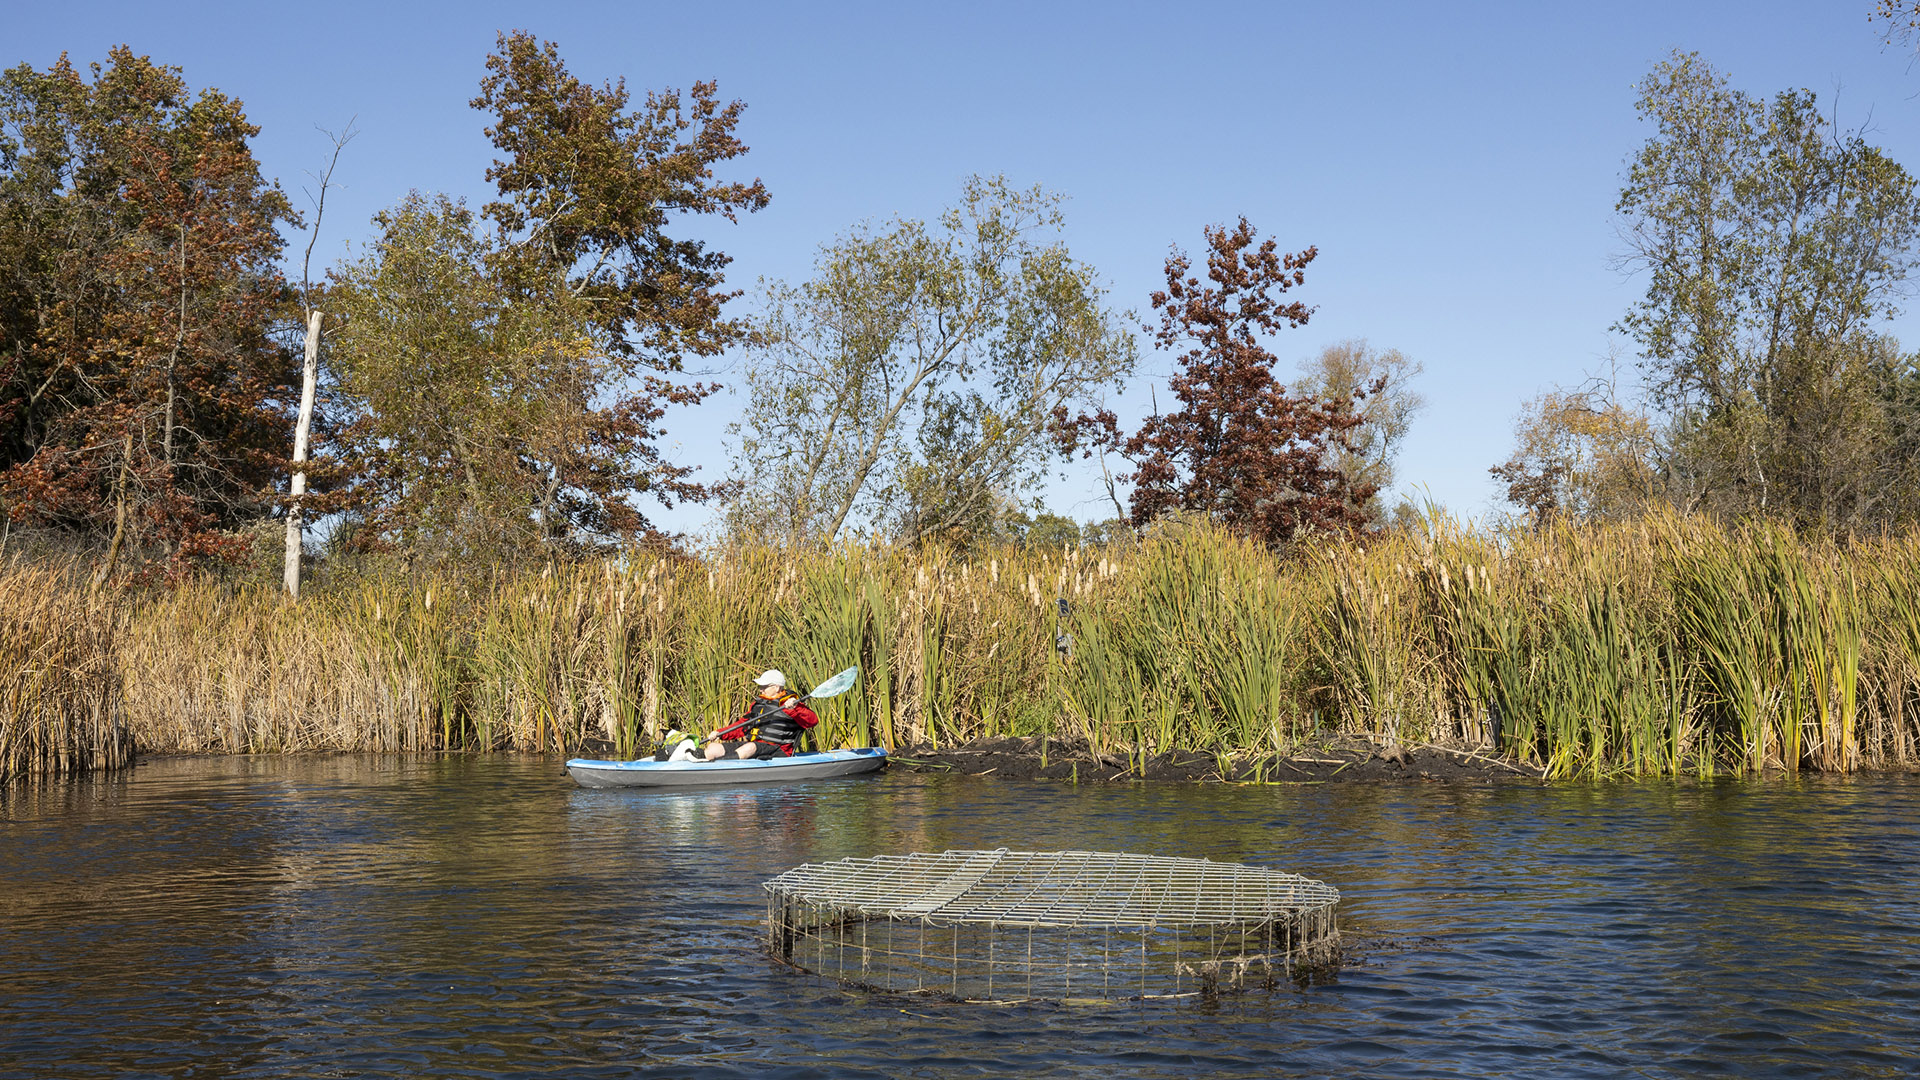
[772, 725]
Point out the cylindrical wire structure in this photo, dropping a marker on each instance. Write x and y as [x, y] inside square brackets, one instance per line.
[1050, 925]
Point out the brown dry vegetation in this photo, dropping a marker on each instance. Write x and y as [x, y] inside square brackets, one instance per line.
[61, 706]
[1660, 647]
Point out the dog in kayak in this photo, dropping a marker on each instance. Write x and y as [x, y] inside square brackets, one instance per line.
[773, 724]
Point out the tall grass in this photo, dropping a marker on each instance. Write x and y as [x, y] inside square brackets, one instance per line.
[60, 701]
[1660, 647]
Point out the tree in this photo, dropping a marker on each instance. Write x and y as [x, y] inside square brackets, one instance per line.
[427, 367]
[1241, 449]
[914, 384]
[1380, 384]
[1045, 530]
[1901, 19]
[310, 338]
[1583, 454]
[1773, 243]
[507, 384]
[144, 398]
[588, 189]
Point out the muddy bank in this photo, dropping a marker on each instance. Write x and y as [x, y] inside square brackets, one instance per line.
[1054, 759]
[1029, 759]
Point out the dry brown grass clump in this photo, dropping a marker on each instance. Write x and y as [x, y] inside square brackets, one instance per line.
[61, 707]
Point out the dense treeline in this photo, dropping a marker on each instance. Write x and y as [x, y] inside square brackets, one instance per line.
[1774, 246]
[494, 381]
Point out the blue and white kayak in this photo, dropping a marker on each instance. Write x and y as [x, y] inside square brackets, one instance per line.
[649, 773]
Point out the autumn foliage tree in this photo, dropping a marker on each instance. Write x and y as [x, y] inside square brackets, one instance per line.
[589, 188]
[1380, 381]
[1583, 454]
[506, 374]
[142, 398]
[1241, 449]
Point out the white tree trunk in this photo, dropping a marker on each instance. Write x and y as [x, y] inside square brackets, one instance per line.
[296, 533]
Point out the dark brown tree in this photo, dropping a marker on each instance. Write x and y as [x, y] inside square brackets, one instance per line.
[1240, 449]
[588, 189]
[143, 399]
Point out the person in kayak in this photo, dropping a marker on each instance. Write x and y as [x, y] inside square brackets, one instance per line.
[772, 724]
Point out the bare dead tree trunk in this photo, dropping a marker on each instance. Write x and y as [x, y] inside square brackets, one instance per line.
[296, 531]
[309, 375]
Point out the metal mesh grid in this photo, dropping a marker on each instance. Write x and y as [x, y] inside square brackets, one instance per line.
[1014, 925]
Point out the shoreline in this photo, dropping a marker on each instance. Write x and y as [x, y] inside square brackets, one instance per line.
[957, 654]
[1038, 758]
[1048, 759]
[1339, 761]
[1035, 758]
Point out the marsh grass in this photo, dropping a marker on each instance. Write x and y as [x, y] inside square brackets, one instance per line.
[1665, 646]
[61, 709]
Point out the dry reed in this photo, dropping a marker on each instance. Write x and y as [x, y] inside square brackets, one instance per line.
[1660, 647]
[60, 700]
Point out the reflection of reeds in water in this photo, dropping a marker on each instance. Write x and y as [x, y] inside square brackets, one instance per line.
[60, 703]
[1658, 647]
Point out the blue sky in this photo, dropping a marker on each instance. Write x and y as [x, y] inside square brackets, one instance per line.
[1456, 164]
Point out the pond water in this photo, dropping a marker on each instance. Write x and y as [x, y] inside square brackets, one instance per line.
[380, 916]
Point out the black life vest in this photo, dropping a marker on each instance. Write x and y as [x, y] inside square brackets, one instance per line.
[767, 721]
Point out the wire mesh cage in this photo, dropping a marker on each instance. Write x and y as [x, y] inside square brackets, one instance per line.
[1060, 925]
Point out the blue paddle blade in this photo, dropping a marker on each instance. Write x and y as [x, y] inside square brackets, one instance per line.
[837, 685]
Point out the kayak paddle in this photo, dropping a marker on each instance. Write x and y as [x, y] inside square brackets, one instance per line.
[837, 685]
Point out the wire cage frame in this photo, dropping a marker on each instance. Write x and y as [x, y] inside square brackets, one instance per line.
[1009, 926]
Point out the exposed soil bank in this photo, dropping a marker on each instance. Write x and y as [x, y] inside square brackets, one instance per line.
[1027, 759]
[1053, 759]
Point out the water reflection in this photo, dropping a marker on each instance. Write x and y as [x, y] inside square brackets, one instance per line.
[441, 916]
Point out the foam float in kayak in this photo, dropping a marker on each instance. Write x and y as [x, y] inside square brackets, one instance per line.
[650, 773]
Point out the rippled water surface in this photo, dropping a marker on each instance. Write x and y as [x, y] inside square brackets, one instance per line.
[367, 916]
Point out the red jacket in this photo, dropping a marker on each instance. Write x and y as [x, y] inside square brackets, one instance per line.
[771, 721]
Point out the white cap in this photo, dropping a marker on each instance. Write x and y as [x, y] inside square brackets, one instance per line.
[771, 677]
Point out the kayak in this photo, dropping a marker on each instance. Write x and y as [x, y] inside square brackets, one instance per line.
[650, 773]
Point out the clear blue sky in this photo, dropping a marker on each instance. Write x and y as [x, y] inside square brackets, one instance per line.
[1456, 164]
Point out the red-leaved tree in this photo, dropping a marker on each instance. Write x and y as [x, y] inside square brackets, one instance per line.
[1240, 449]
[144, 404]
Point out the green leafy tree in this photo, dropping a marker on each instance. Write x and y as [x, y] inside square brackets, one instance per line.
[914, 386]
[1773, 244]
[442, 398]
[1044, 530]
